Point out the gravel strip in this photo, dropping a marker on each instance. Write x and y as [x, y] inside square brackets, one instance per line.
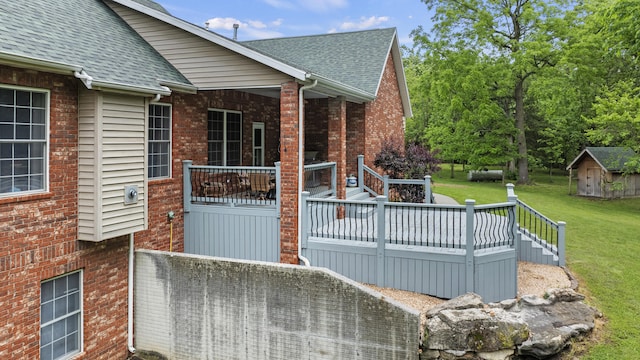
[533, 279]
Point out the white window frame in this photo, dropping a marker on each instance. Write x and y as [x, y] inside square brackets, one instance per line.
[63, 317]
[150, 164]
[15, 190]
[225, 140]
[257, 126]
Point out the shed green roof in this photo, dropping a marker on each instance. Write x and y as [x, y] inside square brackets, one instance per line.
[611, 159]
[356, 59]
[87, 34]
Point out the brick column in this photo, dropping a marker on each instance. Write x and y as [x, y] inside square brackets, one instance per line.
[289, 172]
[338, 141]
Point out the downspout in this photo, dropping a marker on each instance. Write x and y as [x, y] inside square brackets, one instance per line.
[130, 298]
[304, 260]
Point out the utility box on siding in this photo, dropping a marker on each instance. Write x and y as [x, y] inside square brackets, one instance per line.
[112, 178]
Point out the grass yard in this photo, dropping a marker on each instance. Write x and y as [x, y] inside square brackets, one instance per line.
[603, 249]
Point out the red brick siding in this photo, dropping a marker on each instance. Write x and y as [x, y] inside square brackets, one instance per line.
[289, 173]
[384, 115]
[338, 142]
[355, 135]
[38, 241]
[316, 128]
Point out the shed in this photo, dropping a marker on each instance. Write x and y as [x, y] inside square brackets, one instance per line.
[600, 173]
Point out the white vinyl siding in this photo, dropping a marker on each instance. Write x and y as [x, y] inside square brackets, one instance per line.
[112, 154]
[24, 140]
[205, 64]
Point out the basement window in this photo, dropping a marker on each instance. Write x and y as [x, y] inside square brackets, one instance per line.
[24, 118]
[61, 317]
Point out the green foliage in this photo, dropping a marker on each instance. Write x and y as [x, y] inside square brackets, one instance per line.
[484, 88]
[616, 119]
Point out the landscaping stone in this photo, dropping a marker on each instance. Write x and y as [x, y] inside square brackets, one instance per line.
[531, 327]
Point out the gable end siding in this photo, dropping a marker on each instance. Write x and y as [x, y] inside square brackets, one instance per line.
[205, 64]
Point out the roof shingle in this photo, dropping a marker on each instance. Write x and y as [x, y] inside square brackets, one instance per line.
[355, 59]
[85, 33]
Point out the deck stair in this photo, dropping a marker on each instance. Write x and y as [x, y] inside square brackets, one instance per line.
[533, 251]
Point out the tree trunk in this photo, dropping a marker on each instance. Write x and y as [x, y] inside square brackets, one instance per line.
[523, 163]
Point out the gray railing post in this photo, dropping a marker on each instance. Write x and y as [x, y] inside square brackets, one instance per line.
[186, 185]
[510, 191]
[334, 179]
[361, 173]
[470, 265]
[304, 222]
[427, 189]
[278, 182]
[385, 182]
[561, 243]
[511, 194]
[380, 261]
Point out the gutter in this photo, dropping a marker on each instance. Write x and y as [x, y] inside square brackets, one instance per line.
[304, 260]
[36, 63]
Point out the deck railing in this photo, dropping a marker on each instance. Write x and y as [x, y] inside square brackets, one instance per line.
[231, 185]
[539, 228]
[397, 190]
[320, 179]
[440, 226]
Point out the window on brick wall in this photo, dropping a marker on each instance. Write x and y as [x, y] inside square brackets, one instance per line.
[61, 317]
[24, 118]
[159, 162]
[224, 138]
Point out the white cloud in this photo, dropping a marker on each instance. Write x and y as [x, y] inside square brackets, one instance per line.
[280, 4]
[323, 5]
[249, 29]
[364, 23]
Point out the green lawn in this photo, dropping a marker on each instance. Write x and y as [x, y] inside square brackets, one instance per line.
[603, 249]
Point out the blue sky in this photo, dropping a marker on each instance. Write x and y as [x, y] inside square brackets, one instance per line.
[261, 19]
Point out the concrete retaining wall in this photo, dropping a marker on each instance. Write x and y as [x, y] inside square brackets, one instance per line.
[196, 307]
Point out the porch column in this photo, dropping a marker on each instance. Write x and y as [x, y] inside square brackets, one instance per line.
[338, 142]
[289, 172]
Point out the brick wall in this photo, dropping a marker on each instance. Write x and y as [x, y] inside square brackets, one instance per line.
[355, 135]
[338, 143]
[316, 129]
[38, 242]
[289, 173]
[384, 115]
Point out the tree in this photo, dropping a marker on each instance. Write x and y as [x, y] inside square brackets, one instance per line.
[523, 36]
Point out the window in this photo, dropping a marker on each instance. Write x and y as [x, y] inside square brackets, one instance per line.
[258, 144]
[61, 317]
[159, 141]
[225, 138]
[23, 139]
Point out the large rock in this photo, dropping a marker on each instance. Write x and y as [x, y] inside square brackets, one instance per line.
[531, 327]
[554, 321]
[476, 330]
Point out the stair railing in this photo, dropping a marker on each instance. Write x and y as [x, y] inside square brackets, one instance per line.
[539, 228]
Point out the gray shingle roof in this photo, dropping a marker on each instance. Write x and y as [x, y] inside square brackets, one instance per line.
[355, 59]
[610, 158]
[85, 33]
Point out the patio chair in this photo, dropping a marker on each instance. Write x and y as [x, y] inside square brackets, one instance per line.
[259, 185]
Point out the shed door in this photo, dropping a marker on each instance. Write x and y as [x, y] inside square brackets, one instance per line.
[593, 182]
